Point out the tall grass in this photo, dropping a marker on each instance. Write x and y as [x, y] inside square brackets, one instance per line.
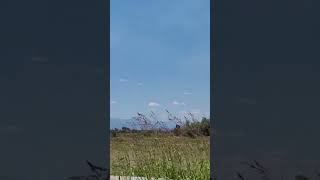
[168, 157]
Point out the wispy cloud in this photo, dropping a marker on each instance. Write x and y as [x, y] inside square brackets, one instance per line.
[207, 114]
[176, 37]
[178, 103]
[175, 103]
[114, 102]
[195, 111]
[153, 104]
[182, 113]
[123, 80]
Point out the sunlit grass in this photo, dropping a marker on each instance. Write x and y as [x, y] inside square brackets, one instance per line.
[165, 156]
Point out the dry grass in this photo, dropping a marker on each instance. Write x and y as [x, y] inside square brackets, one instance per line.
[159, 156]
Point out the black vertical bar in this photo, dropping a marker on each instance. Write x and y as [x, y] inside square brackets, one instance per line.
[212, 84]
[107, 80]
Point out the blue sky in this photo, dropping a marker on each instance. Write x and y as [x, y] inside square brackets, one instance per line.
[160, 57]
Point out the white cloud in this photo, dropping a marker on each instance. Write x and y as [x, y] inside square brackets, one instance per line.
[195, 111]
[183, 113]
[153, 104]
[178, 103]
[175, 103]
[140, 84]
[123, 80]
[207, 114]
[187, 93]
[114, 102]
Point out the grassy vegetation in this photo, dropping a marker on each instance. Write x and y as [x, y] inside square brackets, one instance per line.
[160, 156]
[155, 151]
[182, 153]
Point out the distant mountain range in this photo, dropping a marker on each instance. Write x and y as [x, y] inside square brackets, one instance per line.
[119, 123]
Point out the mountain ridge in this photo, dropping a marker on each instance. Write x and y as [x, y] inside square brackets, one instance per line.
[119, 122]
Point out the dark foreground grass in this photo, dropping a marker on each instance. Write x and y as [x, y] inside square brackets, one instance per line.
[161, 156]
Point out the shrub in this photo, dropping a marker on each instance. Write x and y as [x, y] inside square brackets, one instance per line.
[113, 134]
[190, 134]
[177, 132]
[147, 133]
[191, 127]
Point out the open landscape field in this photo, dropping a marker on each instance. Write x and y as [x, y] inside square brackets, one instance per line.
[160, 156]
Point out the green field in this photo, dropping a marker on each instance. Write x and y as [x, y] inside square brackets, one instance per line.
[160, 156]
